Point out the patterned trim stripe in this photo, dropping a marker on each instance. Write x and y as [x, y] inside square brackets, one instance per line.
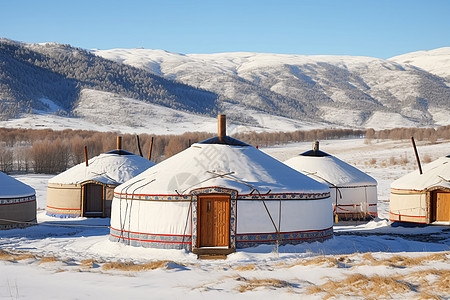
[150, 240]
[286, 196]
[408, 216]
[7, 201]
[295, 237]
[63, 212]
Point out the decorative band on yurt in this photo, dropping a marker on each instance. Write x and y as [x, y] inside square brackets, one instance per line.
[408, 218]
[8, 201]
[151, 240]
[63, 212]
[17, 212]
[294, 237]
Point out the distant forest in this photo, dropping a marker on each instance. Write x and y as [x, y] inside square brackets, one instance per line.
[58, 72]
[51, 152]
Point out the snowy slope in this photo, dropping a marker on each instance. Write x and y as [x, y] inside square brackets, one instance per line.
[73, 259]
[436, 61]
[336, 85]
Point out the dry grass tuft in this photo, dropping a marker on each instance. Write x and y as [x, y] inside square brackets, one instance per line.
[398, 261]
[88, 263]
[4, 255]
[250, 267]
[361, 285]
[317, 261]
[271, 283]
[48, 259]
[129, 266]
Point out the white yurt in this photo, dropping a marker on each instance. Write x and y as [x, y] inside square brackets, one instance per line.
[353, 192]
[86, 190]
[423, 198]
[219, 195]
[17, 203]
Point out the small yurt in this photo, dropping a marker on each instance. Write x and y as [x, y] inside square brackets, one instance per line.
[423, 198]
[353, 192]
[17, 203]
[219, 195]
[86, 190]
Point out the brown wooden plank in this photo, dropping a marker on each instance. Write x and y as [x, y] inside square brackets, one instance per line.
[214, 221]
[442, 206]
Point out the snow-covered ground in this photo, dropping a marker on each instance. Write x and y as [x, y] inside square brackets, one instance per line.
[73, 259]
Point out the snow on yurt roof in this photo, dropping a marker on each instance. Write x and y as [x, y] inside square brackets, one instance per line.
[114, 167]
[435, 174]
[226, 164]
[13, 188]
[329, 169]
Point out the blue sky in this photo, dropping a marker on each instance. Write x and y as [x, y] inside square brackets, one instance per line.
[377, 28]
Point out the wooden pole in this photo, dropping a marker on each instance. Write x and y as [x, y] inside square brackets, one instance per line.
[119, 143]
[150, 149]
[139, 145]
[417, 155]
[85, 156]
[222, 130]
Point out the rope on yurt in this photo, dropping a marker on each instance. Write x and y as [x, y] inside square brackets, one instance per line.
[186, 225]
[131, 206]
[122, 224]
[336, 218]
[260, 198]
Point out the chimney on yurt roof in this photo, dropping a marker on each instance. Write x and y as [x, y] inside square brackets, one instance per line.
[315, 151]
[119, 143]
[118, 149]
[222, 127]
[222, 137]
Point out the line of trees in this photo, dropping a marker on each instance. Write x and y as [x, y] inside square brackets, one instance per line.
[51, 152]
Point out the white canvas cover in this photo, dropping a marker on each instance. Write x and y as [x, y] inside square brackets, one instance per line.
[330, 170]
[354, 193]
[202, 164]
[13, 188]
[435, 174]
[107, 168]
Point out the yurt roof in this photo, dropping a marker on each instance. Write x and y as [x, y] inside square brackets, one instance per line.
[13, 188]
[329, 169]
[221, 164]
[435, 174]
[114, 167]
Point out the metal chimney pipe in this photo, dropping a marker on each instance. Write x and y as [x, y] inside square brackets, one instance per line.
[119, 143]
[222, 130]
[316, 146]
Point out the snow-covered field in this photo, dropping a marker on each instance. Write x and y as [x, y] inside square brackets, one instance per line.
[73, 259]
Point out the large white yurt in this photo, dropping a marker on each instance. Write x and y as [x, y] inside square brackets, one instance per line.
[17, 203]
[219, 195]
[353, 192]
[423, 198]
[87, 189]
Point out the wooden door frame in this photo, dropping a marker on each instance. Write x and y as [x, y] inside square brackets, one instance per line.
[432, 199]
[83, 197]
[232, 214]
[205, 197]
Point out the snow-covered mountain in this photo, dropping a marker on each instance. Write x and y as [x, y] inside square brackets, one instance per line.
[155, 91]
[435, 61]
[342, 90]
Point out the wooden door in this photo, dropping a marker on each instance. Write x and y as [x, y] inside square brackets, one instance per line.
[93, 199]
[214, 221]
[440, 206]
